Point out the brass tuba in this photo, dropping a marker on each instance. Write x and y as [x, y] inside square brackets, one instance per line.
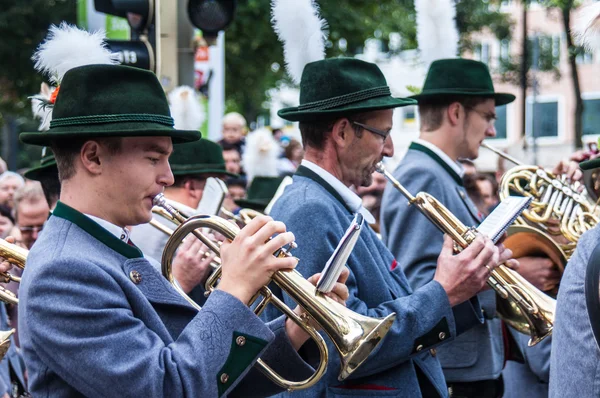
[558, 209]
[520, 304]
[355, 336]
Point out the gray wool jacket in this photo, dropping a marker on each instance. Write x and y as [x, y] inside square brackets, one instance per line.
[98, 320]
[416, 242]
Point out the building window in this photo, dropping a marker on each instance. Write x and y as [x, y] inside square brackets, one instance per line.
[481, 52]
[504, 50]
[584, 57]
[591, 116]
[545, 119]
[548, 50]
[500, 122]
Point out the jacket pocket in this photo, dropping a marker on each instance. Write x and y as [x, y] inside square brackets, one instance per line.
[461, 352]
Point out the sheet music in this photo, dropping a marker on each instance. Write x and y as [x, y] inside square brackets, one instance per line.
[338, 259]
[503, 216]
[212, 197]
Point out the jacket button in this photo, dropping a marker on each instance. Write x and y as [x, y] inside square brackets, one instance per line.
[419, 347]
[442, 335]
[224, 378]
[433, 352]
[240, 341]
[135, 277]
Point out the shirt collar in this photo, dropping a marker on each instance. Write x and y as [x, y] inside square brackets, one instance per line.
[353, 201]
[457, 167]
[120, 233]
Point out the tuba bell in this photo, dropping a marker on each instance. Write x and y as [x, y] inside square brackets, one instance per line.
[520, 304]
[355, 336]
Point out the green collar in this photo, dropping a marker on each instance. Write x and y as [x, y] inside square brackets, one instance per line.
[304, 171]
[418, 147]
[94, 229]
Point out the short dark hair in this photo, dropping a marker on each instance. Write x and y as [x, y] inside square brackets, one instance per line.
[315, 133]
[431, 111]
[50, 186]
[180, 180]
[5, 211]
[66, 151]
[226, 146]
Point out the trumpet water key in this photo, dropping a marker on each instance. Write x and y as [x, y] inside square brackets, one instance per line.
[355, 336]
[520, 304]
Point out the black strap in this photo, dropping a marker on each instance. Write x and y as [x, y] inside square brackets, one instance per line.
[592, 292]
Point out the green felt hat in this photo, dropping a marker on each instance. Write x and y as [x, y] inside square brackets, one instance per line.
[340, 86]
[47, 166]
[200, 157]
[97, 101]
[260, 192]
[460, 77]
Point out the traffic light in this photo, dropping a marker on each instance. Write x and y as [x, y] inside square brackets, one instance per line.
[211, 16]
[143, 48]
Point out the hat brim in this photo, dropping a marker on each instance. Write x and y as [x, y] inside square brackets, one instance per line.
[37, 172]
[203, 171]
[590, 164]
[129, 129]
[254, 204]
[500, 98]
[293, 114]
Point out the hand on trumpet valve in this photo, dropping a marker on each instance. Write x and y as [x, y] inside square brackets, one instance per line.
[248, 262]
[569, 169]
[464, 274]
[339, 293]
[6, 266]
[191, 265]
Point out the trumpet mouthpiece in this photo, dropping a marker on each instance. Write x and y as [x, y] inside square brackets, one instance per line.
[380, 167]
[159, 200]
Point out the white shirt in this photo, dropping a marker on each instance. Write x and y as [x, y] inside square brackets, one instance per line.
[121, 233]
[457, 167]
[353, 201]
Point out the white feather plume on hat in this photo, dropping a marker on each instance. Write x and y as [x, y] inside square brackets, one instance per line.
[186, 110]
[261, 154]
[302, 32]
[437, 33]
[41, 112]
[586, 29]
[67, 47]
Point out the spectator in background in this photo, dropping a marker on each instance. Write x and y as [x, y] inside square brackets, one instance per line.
[488, 189]
[371, 197]
[468, 166]
[292, 156]
[30, 212]
[236, 190]
[234, 131]
[233, 158]
[7, 221]
[3, 166]
[9, 183]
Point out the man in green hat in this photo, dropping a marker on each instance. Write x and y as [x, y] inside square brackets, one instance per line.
[345, 116]
[260, 193]
[47, 174]
[457, 112]
[96, 317]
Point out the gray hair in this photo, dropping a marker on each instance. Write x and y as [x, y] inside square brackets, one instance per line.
[31, 192]
[234, 118]
[9, 174]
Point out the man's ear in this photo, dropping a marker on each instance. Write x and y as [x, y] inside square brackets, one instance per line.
[339, 132]
[90, 156]
[454, 112]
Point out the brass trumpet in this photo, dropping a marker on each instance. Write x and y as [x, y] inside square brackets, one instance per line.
[520, 304]
[557, 209]
[17, 256]
[355, 336]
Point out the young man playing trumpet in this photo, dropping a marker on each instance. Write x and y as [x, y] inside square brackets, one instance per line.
[96, 317]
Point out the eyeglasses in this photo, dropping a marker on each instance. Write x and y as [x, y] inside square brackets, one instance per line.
[373, 130]
[489, 117]
[31, 229]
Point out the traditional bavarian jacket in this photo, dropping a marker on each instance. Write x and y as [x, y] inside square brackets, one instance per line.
[416, 242]
[98, 320]
[575, 357]
[405, 363]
